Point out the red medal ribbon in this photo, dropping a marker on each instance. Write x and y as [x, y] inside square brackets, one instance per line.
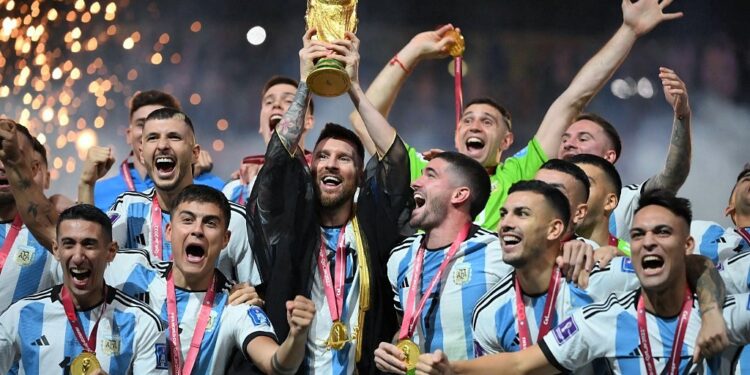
[10, 238]
[200, 327]
[334, 292]
[673, 366]
[457, 79]
[549, 307]
[411, 315]
[89, 344]
[156, 235]
[613, 241]
[743, 233]
[125, 173]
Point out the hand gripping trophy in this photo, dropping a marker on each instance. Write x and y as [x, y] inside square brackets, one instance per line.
[332, 19]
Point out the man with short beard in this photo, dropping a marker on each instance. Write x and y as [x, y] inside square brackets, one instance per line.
[439, 275]
[132, 172]
[311, 236]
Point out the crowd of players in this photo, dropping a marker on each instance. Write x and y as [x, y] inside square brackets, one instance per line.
[316, 262]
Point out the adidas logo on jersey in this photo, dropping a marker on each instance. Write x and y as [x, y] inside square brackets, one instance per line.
[42, 341]
[405, 283]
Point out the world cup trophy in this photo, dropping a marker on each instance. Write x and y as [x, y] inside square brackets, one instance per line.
[332, 19]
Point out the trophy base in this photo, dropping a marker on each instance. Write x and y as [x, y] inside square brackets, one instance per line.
[328, 78]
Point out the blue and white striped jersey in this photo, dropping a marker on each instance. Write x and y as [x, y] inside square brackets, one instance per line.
[715, 242]
[621, 219]
[494, 319]
[323, 360]
[29, 268]
[229, 327]
[235, 189]
[607, 334]
[446, 318]
[131, 228]
[36, 334]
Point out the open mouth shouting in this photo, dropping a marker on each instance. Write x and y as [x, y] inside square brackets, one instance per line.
[274, 120]
[475, 146]
[165, 165]
[652, 264]
[80, 277]
[195, 253]
[419, 200]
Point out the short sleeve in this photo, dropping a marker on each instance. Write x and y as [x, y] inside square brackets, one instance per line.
[9, 351]
[118, 216]
[576, 341]
[150, 348]
[618, 276]
[248, 323]
[622, 217]
[735, 272]
[737, 316]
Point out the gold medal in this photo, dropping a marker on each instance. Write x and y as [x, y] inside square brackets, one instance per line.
[339, 336]
[411, 353]
[460, 46]
[84, 364]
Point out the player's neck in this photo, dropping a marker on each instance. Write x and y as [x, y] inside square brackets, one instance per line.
[534, 276]
[446, 232]
[335, 217]
[8, 212]
[742, 220]
[87, 301]
[191, 282]
[666, 301]
[166, 198]
[597, 232]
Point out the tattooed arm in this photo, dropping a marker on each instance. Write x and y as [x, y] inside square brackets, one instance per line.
[677, 167]
[292, 125]
[36, 210]
[704, 279]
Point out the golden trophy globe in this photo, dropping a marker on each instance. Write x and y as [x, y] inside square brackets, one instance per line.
[332, 19]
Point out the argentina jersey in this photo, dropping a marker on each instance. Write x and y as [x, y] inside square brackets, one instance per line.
[735, 272]
[715, 242]
[228, 328]
[132, 228]
[621, 219]
[35, 333]
[445, 321]
[494, 320]
[320, 358]
[29, 267]
[237, 192]
[608, 332]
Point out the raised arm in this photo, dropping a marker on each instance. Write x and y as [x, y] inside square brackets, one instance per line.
[98, 162]
[677, 167]
[638, 19]
[292, 124]
[347, 52]
[37, 212]
[383, 91]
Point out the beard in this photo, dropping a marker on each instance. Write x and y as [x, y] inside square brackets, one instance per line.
[430, 216]
[334, 201]
[6, 198]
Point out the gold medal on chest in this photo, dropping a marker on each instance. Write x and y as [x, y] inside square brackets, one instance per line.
[84, 364]
[338, 337]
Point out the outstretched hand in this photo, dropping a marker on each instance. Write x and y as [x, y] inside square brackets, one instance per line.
[675, 92]
[643, 15]
[433, 44]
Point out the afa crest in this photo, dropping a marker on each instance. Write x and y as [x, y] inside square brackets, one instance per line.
[462, 274]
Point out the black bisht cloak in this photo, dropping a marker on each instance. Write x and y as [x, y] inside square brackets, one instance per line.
[284, 233]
